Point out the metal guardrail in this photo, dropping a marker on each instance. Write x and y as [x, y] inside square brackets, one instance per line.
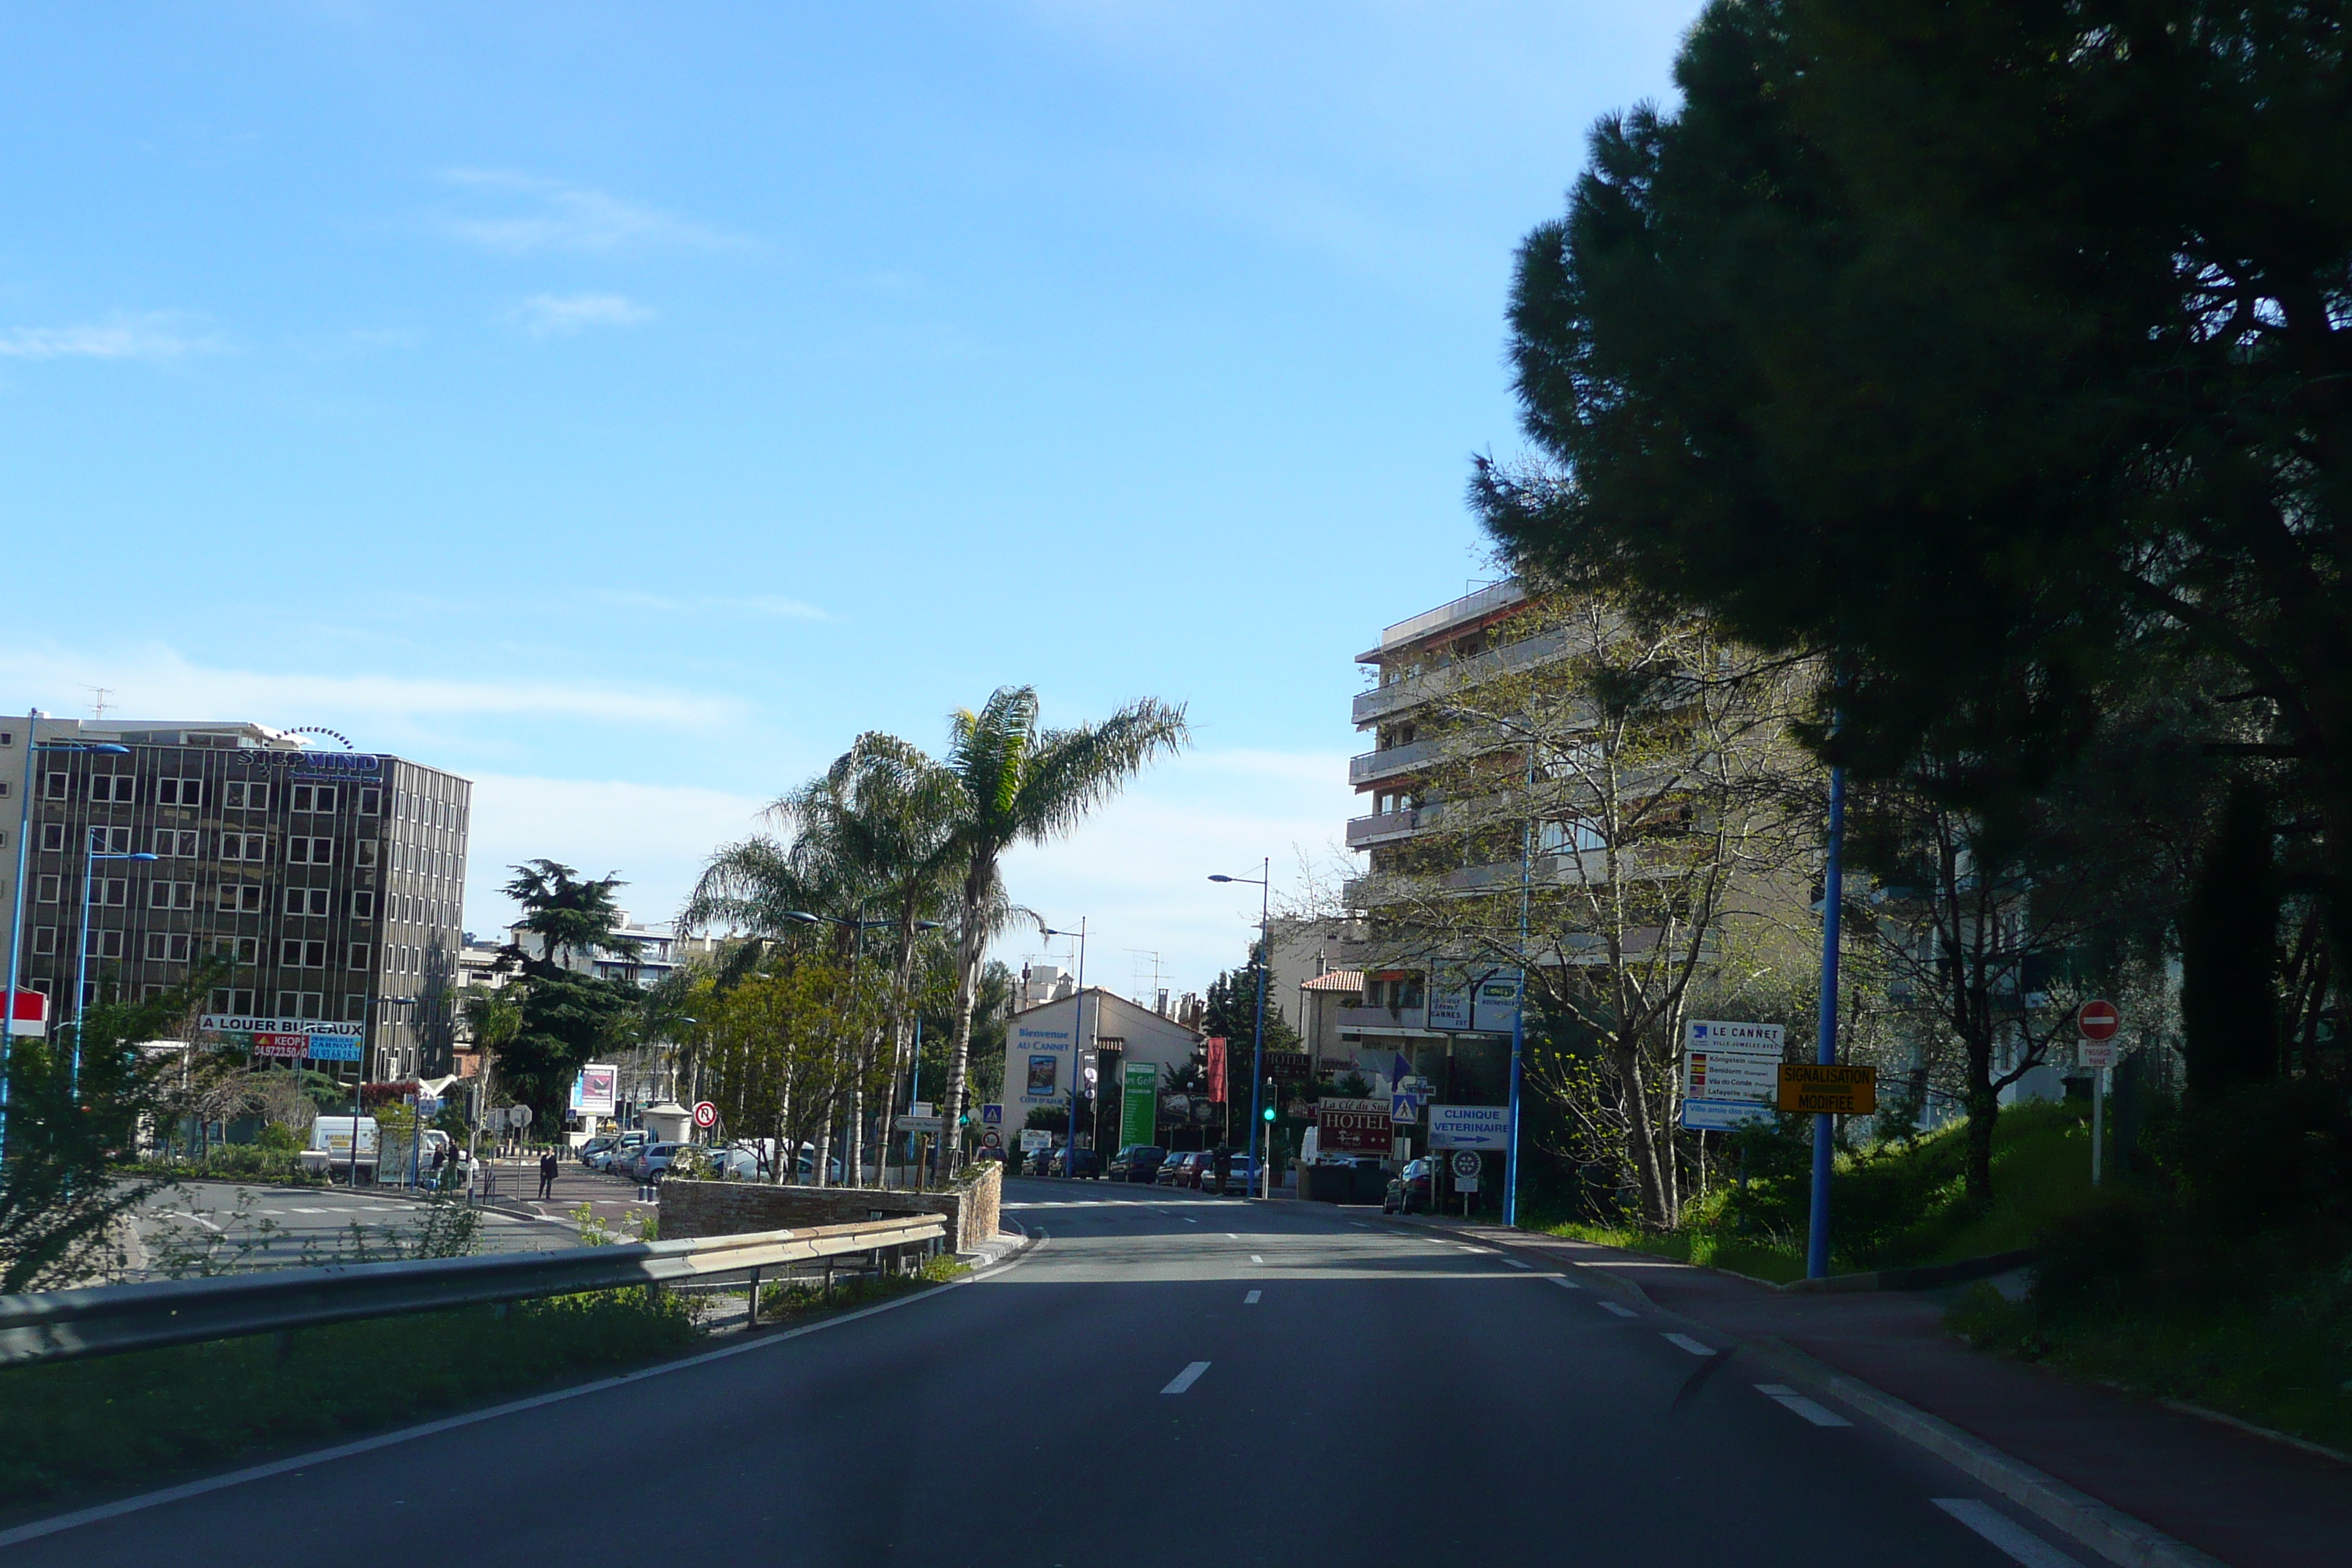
[108, 1320]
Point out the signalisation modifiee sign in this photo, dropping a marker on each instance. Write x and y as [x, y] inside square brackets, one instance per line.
[1470, 1127]
[1730, 1073]
[1814, 1089]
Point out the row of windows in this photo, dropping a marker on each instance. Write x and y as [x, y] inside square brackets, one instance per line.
[293, 952]
[238, 794]
[188, 844]
[248, 898]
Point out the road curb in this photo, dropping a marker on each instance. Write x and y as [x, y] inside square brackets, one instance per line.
[2108, 1531]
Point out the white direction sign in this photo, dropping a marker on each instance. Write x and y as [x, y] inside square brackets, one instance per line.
[1469, 1127]
[1730, 1073]
[1034, 1139]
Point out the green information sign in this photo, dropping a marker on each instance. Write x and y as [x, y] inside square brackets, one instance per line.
[1138, 1118]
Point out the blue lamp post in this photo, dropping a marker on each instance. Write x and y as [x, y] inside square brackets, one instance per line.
[16, 918]
[1265, 884]
[92, 856]
[1078, 1033]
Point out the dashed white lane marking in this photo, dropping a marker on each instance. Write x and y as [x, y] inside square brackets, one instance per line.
[2005, 1532]
[1251, 1299]
[1187, 1378]
[1256, 1258]
[1684, 1341]
[1189, 1220]
[1517, 1264]
[1230, 1235]
[1360, 1224]
[313, 1211]
[1563, 1284]
[1613, 1307]
[1819, 1415]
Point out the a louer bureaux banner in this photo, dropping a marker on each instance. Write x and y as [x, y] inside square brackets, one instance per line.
[287, 1039]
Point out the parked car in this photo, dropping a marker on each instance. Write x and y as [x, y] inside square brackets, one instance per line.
[1169, 1169]
[732, 1163]
[614, 1161]
[1190, 1168]
[1237, 1182]
[1136, 1162]
[1409, 1188]
[653, 1160]
[600, 1144]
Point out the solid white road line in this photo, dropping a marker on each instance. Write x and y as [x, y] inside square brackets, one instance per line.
[1251, 1299]
[1613, 1307]
[1819, 1415]
[1187, 1378]
[1563, 1284]
[1695, 1347]
[2005, 1532]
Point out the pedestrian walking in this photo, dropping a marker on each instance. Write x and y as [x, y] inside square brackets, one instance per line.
[546, 1174]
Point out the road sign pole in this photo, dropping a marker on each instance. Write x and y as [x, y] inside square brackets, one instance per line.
[2098, 1119]
[1817, 1235]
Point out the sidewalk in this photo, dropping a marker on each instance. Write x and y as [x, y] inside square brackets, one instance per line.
[2245, 1499]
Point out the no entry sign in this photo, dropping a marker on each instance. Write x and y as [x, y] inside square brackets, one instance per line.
[2098, 1021]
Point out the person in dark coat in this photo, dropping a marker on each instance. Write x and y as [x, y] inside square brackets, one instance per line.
[546, 1174]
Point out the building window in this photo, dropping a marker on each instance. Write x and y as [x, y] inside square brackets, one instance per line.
[360, 954]
[171, 895]
[167, 947]
[234, 1003]
[240, 897]
[247, 796]
[300, 1004]
[53, 836]
[45, 939]
[118, 789]
[296, 953]
[371, 802]
[106, 944]
[175, 843]
[355, 1009]
[362, 906]
[48, 890]
[363, 853]
[110, 840]
[245, 847]
[314, 797]
[308, 901]
[179, 792]
[235, 949]
[303, 851]
[114, 892]
[58, 786]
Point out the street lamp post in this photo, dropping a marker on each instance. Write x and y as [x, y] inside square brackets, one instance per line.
[1265, 882]
[1077, 1031]
[90, 857]
[17, 917]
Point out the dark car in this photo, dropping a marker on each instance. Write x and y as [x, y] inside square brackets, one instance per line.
[1172, 1169]
[1409, 1188]
[597, 1145]
[1136, 1162]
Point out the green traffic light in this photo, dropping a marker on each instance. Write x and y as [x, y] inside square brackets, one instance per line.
[1268, 1114]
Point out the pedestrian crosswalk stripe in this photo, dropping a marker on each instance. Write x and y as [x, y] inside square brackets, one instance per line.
[1819, 1415]
[1251, 1299]
[1684, 1341]
[1187, 1378]
[1613, 1307]
[2005, 1532]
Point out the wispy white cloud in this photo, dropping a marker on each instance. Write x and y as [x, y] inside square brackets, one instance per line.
[769, 604]
[549, 215]
[158, 681]
[148, 335]
[560, 315]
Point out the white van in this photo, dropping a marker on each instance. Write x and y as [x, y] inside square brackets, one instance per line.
[330, 1153]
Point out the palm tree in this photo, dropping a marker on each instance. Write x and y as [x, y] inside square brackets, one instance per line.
[1015, 782]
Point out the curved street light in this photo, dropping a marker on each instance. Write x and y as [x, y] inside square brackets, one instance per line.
[1264, 882]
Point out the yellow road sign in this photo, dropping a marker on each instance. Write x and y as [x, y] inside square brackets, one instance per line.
[1813, 1090]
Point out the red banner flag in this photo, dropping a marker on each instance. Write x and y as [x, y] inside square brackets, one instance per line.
[1216, 1069]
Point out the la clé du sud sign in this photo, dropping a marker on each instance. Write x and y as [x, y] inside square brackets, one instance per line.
[287, 1039]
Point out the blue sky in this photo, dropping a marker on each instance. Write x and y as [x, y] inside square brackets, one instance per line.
[624, 405]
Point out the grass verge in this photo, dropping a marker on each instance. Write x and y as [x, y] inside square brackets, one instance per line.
[797, 1299]
[75, 1427]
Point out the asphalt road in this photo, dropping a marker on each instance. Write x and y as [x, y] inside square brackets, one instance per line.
[1166, 1379]
[248, 1227]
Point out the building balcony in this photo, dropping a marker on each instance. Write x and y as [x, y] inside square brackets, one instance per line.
[1429, 623]
[1392, 761]
[1383, 1020]
[1415, 690]
[1389, 826]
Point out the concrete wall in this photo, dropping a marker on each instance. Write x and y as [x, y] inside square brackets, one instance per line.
[731, 1209]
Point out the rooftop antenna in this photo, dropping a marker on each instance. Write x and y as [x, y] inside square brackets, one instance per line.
[98, 700]
[1140, 954]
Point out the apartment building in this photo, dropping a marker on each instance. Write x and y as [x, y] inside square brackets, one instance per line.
[332, 883]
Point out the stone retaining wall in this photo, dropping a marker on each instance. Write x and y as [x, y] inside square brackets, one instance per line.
[691, 1209]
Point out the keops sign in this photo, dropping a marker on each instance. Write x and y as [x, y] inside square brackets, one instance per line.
[285, 1039]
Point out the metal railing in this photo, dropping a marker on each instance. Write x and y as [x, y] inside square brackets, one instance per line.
[108, 1320]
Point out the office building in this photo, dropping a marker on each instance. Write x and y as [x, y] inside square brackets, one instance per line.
[330, 883]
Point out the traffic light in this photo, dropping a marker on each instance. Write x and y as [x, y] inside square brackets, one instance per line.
[1268, 1113]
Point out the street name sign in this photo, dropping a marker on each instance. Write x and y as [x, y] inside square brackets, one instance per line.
[1469, 1127]
[915, 1124]
[1730, 1073]
[1814, 1089]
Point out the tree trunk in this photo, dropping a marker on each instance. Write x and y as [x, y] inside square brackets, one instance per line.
[1984, 1114]
[1640, 1140]
[971, 948]
[853, 1162]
